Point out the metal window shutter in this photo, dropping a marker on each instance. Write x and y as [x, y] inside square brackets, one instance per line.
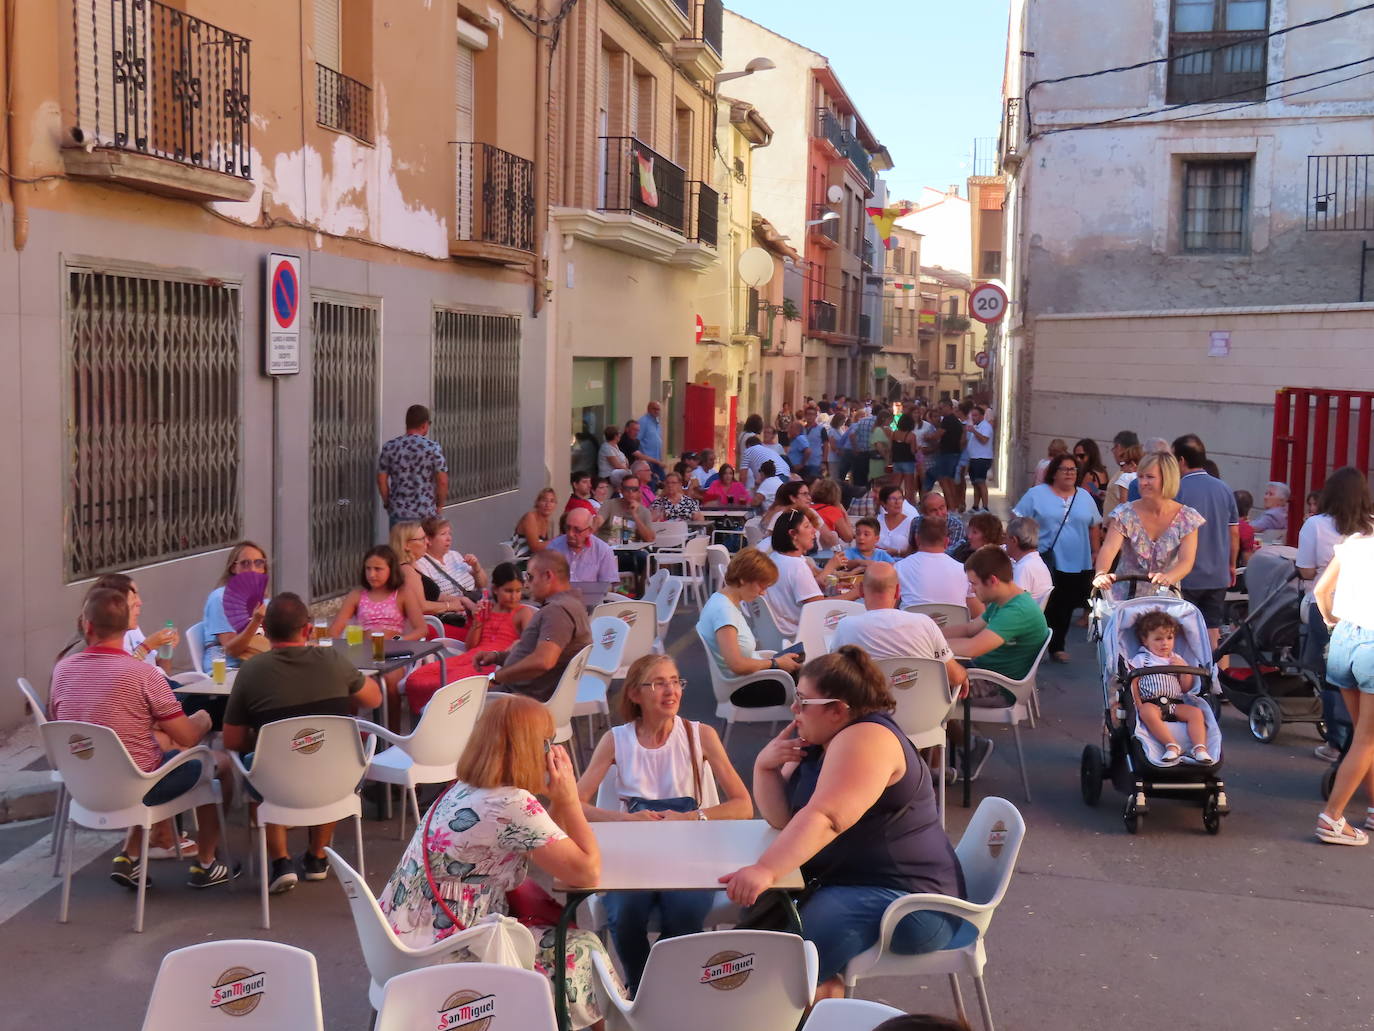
[328, 46]
[632, 124]
[463, 165]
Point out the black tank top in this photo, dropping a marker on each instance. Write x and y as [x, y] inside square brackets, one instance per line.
[901, 450]
[898, 843]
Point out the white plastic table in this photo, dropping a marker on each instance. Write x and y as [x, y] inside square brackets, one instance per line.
[667, 855]
[207, 686]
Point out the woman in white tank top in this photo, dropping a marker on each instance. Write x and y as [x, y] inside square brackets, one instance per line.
[658, 766]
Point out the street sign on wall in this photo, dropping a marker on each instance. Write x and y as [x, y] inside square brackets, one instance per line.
[987, 303]
[282, 315]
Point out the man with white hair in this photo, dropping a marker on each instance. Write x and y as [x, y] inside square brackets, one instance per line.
[1275, 514]
[1029, 571]
[886, 632]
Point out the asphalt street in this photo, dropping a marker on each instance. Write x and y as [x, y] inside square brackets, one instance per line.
[1259, 927]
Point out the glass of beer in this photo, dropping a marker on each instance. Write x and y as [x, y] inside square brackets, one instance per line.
[321, 630]
[378, 645]
[219, 668]
[353, 634]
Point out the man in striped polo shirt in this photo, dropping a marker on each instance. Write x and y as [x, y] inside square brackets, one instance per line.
[107, 686]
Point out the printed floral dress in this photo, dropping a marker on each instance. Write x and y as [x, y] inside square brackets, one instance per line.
[1141, 555]
[478, 849]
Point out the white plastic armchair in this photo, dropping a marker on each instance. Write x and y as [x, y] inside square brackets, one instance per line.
[452, 646]
[691, 556]
[642, 619]
[723, 686]
[818, 621]
[264, 986]
[609, 635]
[665, 607]
[195, 646]
[849, 1015]
[308, 770]
[717, 561]
[387, 956]
[429, 755]
[767, 636]
[39, 715]
[771, 978]
[1013, 715]
[925, 703]
[944, 615]
[987, 854]
[486, 995]
[106, 791]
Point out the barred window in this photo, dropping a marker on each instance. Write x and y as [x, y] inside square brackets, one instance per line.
[477, 401]
[1216, 206]
[153, 438]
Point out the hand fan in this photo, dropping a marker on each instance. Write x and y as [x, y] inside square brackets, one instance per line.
[242, 595]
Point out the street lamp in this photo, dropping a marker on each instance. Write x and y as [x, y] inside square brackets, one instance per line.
[829, 216]
[758, 64]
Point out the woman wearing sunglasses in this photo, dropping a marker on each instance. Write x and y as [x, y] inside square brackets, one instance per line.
[856, 807]
[219, 638]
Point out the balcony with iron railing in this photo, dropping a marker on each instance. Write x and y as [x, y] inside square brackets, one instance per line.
[866, 254]
[343, 104]
[1009, 143]
[704, 224]
[866, 329]
[824, 317]
[952, 325]
[666, 21]
[698, 52]
[827, 231]
[1223, 66]
[828, 128]
[168, 109]
[640, 181]
[493, 203]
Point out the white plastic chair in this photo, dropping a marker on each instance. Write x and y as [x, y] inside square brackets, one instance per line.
[943, 614]
[451, 645]
[59, 814]
[430, 754]
[767, 636]
[264, 986]
[987, 853]
[385, 955]
[609, 635]
[723, 687]
[195, 645]
[106, 793]
[692, 558]
[308, 770]
[654, 585]
[665, 607]
[669, 535]
[753, 531]
[642, 619]
[724, 980]
[818, 621]
[1010, 715]
[849, 1015]
[717, 561]
[925, 702]
[460, 995]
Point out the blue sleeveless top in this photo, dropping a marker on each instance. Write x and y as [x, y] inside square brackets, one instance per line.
[898, 843]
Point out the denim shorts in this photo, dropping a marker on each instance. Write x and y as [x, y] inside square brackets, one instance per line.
[1350, 658]
[178, 782]
[842, 921]
[908, 468]
[946, 466]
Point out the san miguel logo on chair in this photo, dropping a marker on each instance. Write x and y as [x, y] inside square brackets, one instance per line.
[459, 702]
[81, 746]
[466, 1010]
[308, 741]
[238, 991]
[904, 677]
[608, 639]
[997, 838]
[726, 971]
[832, 619]
[629, 617]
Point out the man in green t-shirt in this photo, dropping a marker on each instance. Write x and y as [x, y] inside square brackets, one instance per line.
[1005, 639]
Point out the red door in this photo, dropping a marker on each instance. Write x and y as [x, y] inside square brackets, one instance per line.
[699, 417]
[732, 430]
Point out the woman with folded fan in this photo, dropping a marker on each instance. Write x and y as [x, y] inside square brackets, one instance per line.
[474, 847]
[666, 768]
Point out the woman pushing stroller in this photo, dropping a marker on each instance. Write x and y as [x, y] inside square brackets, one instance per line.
[1159, 697]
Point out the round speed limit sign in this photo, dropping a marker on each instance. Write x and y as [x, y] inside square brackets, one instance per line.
[987, 303]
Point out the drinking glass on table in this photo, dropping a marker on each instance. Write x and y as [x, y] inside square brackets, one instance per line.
[378, 645]
[219, 668]
[353, 634]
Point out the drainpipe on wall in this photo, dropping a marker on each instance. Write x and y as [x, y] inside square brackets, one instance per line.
[543, 59]
[18, 196]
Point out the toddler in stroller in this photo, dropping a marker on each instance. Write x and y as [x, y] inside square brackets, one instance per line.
[1159, 696]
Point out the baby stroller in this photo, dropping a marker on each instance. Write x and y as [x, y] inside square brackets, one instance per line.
[1273, 686]
[1130, 757]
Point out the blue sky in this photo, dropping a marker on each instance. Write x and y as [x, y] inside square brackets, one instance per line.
[926, 75]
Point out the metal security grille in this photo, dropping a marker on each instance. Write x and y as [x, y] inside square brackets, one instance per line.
[1216, 205]
[1340, 192]
[343, 442]
[477, 401]
[153, 424]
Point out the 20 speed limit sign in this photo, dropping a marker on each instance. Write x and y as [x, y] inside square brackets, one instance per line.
[987, 303]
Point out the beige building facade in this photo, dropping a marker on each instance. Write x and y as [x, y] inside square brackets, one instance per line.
[135, 292]
[907, 357]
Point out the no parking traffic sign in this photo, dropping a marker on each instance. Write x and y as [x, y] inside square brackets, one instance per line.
[282, 311]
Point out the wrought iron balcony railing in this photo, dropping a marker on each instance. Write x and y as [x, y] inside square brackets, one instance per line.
[824, 317]
[865, 329]
[494, 200]
[704, 226]
[643, 182]
[830, 228]
[828, 127]
[153, 80]
[342, 103]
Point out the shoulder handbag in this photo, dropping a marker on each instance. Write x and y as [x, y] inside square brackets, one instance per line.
[528, 903]
[1048, 554]
[682, 804]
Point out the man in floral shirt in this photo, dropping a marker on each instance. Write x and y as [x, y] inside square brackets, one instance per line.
[412, 475]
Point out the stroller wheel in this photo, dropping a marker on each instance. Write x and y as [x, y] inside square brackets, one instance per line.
[1091, 771]
[1211, 814]
[1329, 781]
[1265, 719]
[1132, 816]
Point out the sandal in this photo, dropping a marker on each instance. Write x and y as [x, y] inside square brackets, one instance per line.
[1338, 832]
[1172, 754]
[188, 850]
[1201, 755]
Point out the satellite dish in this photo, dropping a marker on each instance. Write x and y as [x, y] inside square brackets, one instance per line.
[835, 194]
[756, 267]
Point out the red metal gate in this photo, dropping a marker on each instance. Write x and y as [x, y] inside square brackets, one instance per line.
[1316, 432]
